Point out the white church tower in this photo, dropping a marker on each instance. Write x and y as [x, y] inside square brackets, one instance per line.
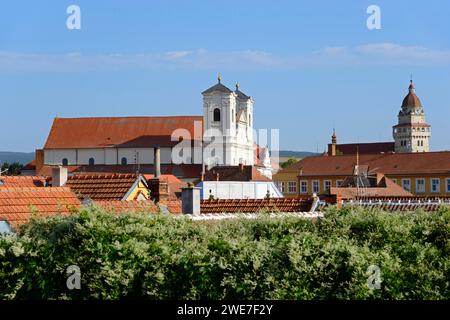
[229, 113]
[412, 133]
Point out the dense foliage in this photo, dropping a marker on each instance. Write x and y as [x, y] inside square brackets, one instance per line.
[158, 257]
[11, 169]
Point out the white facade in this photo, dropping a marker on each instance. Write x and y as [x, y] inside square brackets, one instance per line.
[228, 114]
[412, 133]
[108, 156]
[238, 189]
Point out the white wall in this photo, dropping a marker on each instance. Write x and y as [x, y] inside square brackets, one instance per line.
[238, 189]
[85, 154]
[55, 157]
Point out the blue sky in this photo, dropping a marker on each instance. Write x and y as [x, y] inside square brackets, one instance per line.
[309, 65]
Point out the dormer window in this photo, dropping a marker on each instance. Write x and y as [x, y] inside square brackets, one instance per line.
[216, 116]
[65, 162]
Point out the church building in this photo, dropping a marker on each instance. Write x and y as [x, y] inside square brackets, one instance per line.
[223, 135]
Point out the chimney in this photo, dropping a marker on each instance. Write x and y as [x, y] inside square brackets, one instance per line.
[59, 176]
[190, 200]
[217, 176]
[157, 162]
[39, 160]
[333, 143]
[241, 167]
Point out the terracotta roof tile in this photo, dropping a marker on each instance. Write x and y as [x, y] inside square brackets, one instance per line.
[16, 204]
[117, 131]
[389, 164]
[22, 181]
[127, 206]
[111, 186]
[255, 205]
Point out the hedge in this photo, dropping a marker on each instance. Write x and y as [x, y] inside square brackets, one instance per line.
[144, 256]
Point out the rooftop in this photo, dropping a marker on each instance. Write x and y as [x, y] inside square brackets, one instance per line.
[389, 164]
[16, 204]
[114, 186]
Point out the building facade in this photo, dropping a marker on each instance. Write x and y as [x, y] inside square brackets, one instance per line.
[421, 173]
[228, 114]
[412, 133]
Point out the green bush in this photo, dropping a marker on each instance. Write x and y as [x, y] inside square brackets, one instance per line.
[131, 256]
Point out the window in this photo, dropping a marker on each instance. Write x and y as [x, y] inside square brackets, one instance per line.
[394, 180]
[339, 183]
[91, 161]
[406, 184]
[420, 185]
[292, 187]
[216, 114]
[447, 183]
[435, 185]
[303, 186]
[123, 161]
[327, 185]
[315, 186]
[65, 162]
[281, 186]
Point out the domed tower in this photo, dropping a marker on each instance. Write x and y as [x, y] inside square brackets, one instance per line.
[412, 133]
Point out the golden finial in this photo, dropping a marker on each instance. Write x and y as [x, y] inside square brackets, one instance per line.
[237, 86]
[219, 77]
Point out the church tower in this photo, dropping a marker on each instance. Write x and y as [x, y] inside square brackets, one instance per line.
[230, 114]
[412, 133]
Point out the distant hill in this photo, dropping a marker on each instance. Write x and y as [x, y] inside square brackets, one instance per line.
[296, 154]
[21, 157]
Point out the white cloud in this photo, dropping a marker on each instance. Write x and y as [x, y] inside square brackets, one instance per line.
[374, 54]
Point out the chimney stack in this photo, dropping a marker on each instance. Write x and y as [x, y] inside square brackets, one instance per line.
[59, 176]
[190, 200]
[157, 162]
[241, 167]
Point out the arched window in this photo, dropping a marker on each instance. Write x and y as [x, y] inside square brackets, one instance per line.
[123, 161]
[216, 114]
[65, 162]
[91, 161]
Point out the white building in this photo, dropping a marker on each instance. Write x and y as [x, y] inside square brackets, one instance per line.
[412, 133]
[229, 114]
[129, 142]
[238, 190]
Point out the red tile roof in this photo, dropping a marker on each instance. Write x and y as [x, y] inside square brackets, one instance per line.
[363, 148]
[22, 181]
[16, 204]
[118, 131]
[174, 183]
[235, 173]
[182, 170]
[389, 164]
[30, 165]
[115, 206]
[255, 205]
[101, 186]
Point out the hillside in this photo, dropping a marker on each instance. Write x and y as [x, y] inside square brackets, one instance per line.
[21, 157]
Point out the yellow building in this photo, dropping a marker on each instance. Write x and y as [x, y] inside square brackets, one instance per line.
[423, 174]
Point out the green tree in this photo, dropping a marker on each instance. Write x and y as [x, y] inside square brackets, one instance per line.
[11, 169]
[288, 163]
